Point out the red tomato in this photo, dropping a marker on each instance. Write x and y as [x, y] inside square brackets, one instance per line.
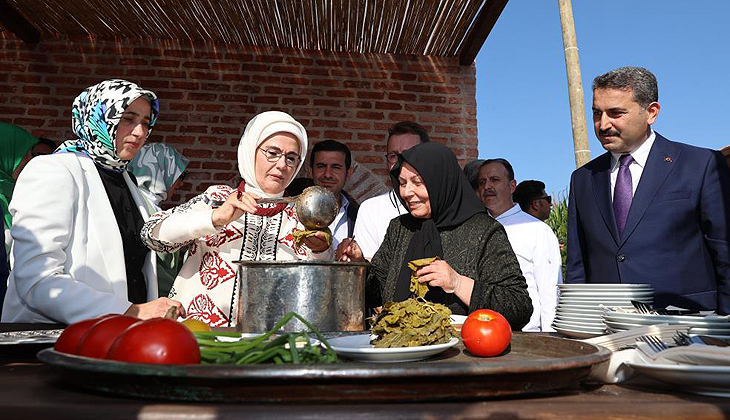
[486, 333]
[101, 335]
[69, 339]
[157, 340]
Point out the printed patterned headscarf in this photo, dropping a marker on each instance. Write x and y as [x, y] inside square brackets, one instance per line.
[261, 127]
[95, 117]
[157, 166]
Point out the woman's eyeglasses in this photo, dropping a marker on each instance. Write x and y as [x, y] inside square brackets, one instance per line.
[273, 155]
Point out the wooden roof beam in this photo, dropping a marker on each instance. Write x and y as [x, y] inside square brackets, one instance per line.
[479, 31]
[17, 24]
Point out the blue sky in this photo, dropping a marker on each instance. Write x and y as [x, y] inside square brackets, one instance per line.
[522, 101]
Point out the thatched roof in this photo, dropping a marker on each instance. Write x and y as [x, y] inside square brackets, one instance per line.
[424, 27]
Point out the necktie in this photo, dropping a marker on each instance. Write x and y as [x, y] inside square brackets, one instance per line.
[622, 193]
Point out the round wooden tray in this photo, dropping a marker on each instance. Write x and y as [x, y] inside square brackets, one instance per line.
[532, 363]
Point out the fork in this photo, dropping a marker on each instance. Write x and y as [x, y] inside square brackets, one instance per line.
[654, 343]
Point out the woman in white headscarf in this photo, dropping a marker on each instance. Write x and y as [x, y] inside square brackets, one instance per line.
[270, 154]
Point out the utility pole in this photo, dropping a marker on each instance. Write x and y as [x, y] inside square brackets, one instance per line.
[575, 85]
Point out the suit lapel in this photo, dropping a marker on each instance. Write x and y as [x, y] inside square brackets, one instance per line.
[602, 193]
[662, 158]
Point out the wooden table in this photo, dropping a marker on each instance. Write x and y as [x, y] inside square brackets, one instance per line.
[29, 391]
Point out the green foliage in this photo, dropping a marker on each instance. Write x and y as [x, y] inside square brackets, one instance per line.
[558, 222]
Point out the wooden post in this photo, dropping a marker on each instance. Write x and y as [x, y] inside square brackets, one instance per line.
[575, 85]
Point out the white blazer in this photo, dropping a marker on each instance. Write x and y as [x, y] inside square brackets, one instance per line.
[69, 257]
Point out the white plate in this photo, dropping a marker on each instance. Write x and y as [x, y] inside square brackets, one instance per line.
[705, 322]
[30, 337]
[704, 380]
[580, 326]
[358, 347]
[591, 308]
[605, 294]
[605, 286]
[576, 333]
[596, 302]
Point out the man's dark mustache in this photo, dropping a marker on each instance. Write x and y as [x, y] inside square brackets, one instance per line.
[607, 132]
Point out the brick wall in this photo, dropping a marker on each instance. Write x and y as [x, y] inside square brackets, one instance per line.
[209, 92]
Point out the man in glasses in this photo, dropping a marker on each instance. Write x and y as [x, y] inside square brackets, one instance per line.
[375, 213]
[533, 242]
[533, 200]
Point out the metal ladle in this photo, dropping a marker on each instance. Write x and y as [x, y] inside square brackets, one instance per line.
[316, 206]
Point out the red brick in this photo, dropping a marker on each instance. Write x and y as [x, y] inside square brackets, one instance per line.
[137, 72]
[148, 51]
[174, 117]
[196, 65]
[194, 74]
[52, 100]
[325, 82]
[265, 100]
[276, 90]
[109, 71]
[198, 96]
[324, 123]
[165, 63]
[418, 108]
[399, 116]
[184, 84]
[40, 90]
[233, 98]
[360, 146]
[155, 84]
[268, 58]
[337, 93]
[359, 104]
[356, 125]
[235, 77]
[417, 88]
[219, 141]
[210, 108]
[14, 110]
[180, 139]
[435, 118]
[219, 87]
[246, 88]
[226, 155]
[193, 129]
[28, 122]
[295, 80]
[447, 129]
[326, 102]
[239, 56]
[260, 78]
[387, 85]
[43, 68]
[239, 110]
[398, 96]
[356, 84]
[130, 61]
[25, 78]
[447, 89]
[370, 159]
[249, 67]
[408, 77]
[25, 99]
[447, 110]
[178, 53]
[42, 112]
[371, 95]
[225, 66]
[225, 130]
[295, 101]
[197, 153]
[315, 71]
[369, 115]
[338, 135]
[218, 165]
[388, 106]
[299, 61]
[432, 99]
[337, 113]
[26, 56]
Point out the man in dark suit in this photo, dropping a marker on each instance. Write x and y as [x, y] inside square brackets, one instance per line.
[649, 210]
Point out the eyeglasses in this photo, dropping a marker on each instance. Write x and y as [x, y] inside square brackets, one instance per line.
[547, 198]
[273, 155]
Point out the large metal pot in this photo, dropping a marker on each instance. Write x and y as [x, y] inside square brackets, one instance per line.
[328, 294]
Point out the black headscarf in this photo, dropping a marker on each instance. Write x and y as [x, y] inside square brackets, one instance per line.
[452, 200]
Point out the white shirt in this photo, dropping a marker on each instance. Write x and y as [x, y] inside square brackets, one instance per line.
[538, 253]
[636, 167]
[338, 227]
[373, 219]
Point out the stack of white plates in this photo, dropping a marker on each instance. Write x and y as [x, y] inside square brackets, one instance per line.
[716, 326]
[579, 313]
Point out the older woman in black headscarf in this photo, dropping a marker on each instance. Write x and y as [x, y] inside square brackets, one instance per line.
[477, 267]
